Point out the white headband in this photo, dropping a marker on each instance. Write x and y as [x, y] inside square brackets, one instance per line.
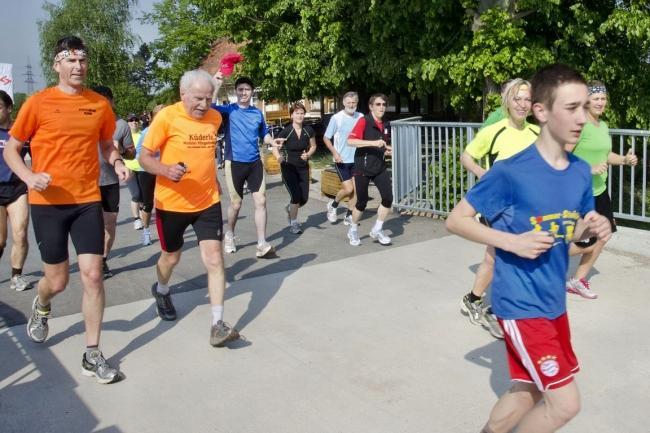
[67, 53]
[596, 89]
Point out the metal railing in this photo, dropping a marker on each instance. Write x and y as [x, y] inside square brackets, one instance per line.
[428, 175]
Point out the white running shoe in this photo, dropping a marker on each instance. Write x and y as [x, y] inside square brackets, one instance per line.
[295, 228]
[353, 237]
[380, 236]
[264, 250]
[19, 283]
[146, 237]
[137, 224]
[229, 244]
[580, 287]
[331, 212]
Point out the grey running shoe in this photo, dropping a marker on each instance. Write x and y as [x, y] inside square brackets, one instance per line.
[229, 243]
[222, 333]
[489, 322]
[37, 327]
[380, 236]
[19, 283]
[295, 228]
[473, 310]
[106, 270]
[264, 250]
[347, 220]
[96, 365]
[580, 287]
[353, 237]
[137, 224]
[164, 306]
[331, 212]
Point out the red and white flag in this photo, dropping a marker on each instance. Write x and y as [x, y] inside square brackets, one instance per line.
[6, 79]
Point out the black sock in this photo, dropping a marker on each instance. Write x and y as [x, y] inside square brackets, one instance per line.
[473, 298]
[16, 271]
[104, 259]
[349, 212]
[335, 204]
[2, 250]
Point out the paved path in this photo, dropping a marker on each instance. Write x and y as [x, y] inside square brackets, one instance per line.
[371, 342]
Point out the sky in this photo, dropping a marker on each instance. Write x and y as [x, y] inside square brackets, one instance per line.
[19, 39]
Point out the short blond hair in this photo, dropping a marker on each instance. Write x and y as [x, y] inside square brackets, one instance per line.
[511, 89]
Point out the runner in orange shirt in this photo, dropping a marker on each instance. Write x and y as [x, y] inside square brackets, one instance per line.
[187, 193]
[65, 123]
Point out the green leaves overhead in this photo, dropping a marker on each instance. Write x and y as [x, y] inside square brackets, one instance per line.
[461, 50]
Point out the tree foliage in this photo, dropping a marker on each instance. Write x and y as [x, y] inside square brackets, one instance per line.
[461, 49]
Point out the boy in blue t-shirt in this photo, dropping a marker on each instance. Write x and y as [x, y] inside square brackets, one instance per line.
[536, 202]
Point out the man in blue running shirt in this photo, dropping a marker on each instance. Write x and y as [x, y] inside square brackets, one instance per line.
[536, 202]
[244, 126]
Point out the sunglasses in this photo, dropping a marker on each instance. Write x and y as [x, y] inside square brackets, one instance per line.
[380, 104]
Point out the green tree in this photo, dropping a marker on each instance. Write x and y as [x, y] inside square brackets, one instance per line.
[461, 49]
[501, 39]
[104, 27]
[19, 99]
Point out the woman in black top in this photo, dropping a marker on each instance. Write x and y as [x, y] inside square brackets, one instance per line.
[371, 137]
[293, 155]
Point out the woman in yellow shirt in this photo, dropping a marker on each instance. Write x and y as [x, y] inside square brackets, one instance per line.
[493, 143]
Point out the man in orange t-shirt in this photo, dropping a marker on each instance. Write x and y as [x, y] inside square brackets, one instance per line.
[187, 193]
[64, 124]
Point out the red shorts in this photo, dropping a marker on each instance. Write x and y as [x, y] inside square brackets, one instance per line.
[540, 352]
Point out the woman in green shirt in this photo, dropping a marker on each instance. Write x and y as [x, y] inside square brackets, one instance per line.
[595, 147]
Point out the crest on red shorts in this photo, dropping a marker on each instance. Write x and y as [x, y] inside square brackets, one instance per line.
[548, 365]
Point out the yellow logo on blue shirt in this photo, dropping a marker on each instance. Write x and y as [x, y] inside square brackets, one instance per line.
[560, 224]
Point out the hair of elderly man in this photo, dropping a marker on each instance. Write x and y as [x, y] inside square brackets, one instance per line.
[350, 95]
[190, 77]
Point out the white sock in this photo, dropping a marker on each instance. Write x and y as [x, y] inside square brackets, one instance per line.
[354, 227]
[261, 242]
[230, 234]
[217, 314]
[292, 222]
[146, 230]
[378, 226]
[163, 289]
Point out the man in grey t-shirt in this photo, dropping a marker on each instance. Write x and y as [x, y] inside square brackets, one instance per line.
[109, 184]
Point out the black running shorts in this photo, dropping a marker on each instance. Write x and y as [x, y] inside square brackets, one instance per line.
[602, 205]
[239, 173]
[110, 197]
[344, 169]
[84, 223]
[207, 224]
[10, 191]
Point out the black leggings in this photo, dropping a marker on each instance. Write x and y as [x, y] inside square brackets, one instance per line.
[382, 182]
[296, 179]
[147, 183]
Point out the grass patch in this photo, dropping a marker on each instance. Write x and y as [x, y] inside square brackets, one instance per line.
[321, 159]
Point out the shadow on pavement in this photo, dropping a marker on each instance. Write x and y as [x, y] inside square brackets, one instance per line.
[26, 370]
[493, 356]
